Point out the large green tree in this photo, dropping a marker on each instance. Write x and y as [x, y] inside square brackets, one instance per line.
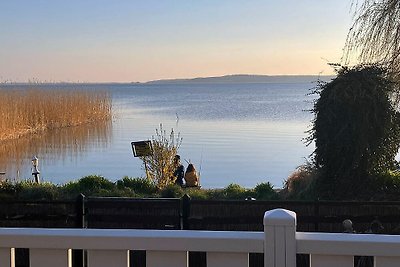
[356, 130]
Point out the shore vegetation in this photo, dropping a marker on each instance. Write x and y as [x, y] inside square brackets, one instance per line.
[32, 111]
[299, 186]
[95, 185]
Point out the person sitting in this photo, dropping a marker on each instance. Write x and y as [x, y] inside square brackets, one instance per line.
[191, 177]
[179, 170]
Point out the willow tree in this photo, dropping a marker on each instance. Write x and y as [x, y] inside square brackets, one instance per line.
[375, 34]
[356, 131]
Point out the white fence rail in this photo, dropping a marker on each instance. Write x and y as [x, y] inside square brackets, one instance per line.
[169, 248]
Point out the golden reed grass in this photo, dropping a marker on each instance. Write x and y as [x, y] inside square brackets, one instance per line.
[29, 111]
[52, 146]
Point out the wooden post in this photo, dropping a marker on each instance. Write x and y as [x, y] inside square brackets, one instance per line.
[185, 212]
[79, 256]
[280, 238]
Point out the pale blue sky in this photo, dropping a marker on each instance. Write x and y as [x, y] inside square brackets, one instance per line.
[123, 41]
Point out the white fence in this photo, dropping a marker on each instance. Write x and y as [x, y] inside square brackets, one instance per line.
[169, 248]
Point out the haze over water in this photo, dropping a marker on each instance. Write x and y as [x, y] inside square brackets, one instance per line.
[234, 133]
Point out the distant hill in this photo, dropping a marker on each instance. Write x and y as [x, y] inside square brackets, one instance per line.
[245, 78]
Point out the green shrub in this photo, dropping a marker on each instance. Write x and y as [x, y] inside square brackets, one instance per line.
[383, 187]
[198, 194]
[28, 190]
[235, 191]
[172, 191]
[88, 185]
[215, 194]
[265, 191]
[301, 183]
[7, 190]
[138, 185]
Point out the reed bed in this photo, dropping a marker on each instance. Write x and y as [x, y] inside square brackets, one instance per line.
[30, 111]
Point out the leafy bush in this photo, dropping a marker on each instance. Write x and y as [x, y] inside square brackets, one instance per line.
[89, 185]
[172, 191]
[300, 184]
[383, 187]
[28, 190]
[7, 190]
[138, 185]
[235, 191]
[198, 194]
[265, 191]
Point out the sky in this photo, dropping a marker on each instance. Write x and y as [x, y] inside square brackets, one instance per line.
[129, 40]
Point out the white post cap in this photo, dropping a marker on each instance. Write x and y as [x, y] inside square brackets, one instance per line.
[280, 217]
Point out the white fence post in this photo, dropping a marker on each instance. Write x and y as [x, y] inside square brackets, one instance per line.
[280, 238]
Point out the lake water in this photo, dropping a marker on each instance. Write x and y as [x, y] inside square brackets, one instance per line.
[235, 133]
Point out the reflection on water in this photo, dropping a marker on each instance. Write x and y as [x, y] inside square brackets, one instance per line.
[233, 133]
[52, 146]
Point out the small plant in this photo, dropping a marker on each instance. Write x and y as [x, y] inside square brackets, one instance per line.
[160, 165]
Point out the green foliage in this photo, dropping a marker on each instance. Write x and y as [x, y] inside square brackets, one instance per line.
[160, 164]
[198, 194]
[7, 190]
[235, 191]
[384, 187]
[28, 190]
[88, 185]
[265, 191]
[94, 185]
[172, 191]
[356, 130]
[301, 183]
[138, 185]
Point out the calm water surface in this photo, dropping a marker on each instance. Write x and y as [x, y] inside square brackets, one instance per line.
[234, 133]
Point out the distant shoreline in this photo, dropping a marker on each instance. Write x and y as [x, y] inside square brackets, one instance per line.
[226, 79]
[244, 78]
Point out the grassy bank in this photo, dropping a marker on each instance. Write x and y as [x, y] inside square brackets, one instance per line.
[126, 187]
[30, 111]
[383, 188]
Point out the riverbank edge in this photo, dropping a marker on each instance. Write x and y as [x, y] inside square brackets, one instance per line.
[98, 186]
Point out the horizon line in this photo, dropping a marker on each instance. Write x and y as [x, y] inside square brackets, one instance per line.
[36, 81]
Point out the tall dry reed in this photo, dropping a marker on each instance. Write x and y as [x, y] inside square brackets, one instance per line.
[31, 111]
